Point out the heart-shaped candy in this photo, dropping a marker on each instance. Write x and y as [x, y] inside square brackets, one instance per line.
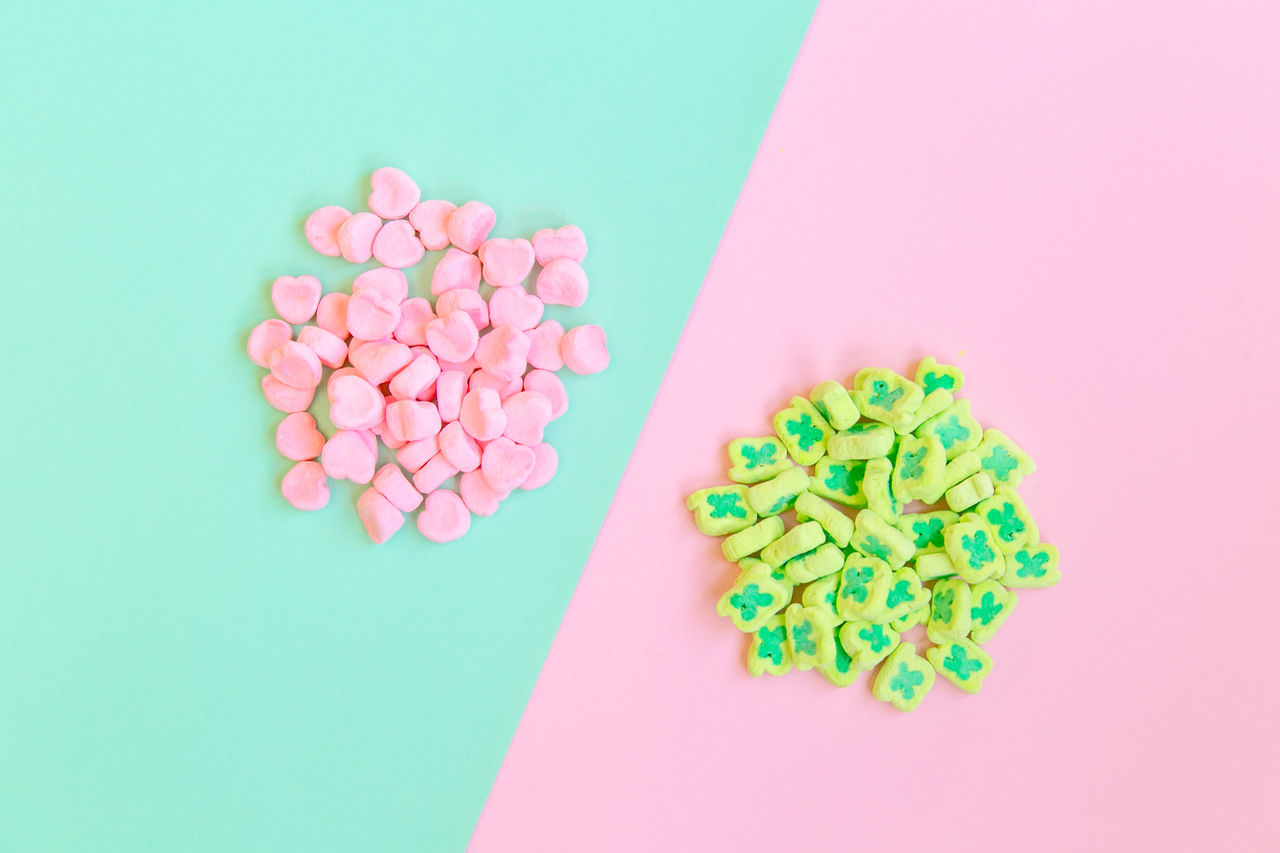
[388, 281]
[506, 464]
[478, 495]
[397, 245]
[444, 517]
[464, 300]
[378, 361]
[355, 236]
[459, 449]
[415, 314]
[284, 397]
[378, 515]
[544, 467]
[331, 314]
[544, 346]
[411, 382]
[297, 437]
[504, 352]
[506, 262]
[394, 193]
[470, 224]
[296, 364]
[515, 306]
[565, 242]
[321, 229]
[267, 337]
[562, 282]
[528, 414]
[305, 486]
[584, 350]
[431, 219]
[411, 420]
[456, 270]
[350, 455]
[295, 298]
[354, 403]
[482, 415]
[330, 348]
[372, 315]
[453, 338]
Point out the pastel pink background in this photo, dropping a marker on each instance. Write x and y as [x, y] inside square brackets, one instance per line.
[1080, 204]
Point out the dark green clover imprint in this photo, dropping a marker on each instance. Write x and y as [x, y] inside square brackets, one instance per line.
[980, 552]
[725, 506]
[1000, 463]
[804, 431]
[933, 381]
[855, 582]
[911, 468]
[1032, 565]
[928, 532]
[906, 681]
[780, 504]
[804, 643]
[942, 602]
[840, 479]
[988, 608]
[960, 663]
[843, 661]
[881, 395]
[749, 601]
[1008, 522]
[950, 431]
[875, 548]
[757, 456]
[874, 637]
[900, 592]
[771, 640]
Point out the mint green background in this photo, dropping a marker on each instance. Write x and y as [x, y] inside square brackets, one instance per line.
[186, 663]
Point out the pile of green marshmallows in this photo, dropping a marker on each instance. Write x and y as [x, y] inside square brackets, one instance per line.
[834, 591]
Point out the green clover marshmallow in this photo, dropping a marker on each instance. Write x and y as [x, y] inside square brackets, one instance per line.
[721, 510]
[962, 663]
[904, 679]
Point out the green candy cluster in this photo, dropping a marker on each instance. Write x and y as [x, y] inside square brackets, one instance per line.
[875, 510]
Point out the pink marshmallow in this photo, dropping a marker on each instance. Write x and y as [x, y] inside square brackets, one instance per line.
[562, 282]
[350, 455]
[450, 386]
[478, 495]
[378, 361]
[321, 229]
[433, 474]
[371, 315]
[515, 306]
[457, 270]
[378, 515]
[504, 387]
[482, 415]
[328, 347]
[354, 403]
[415, 314]
[305, 486]
[411, 420]
[506, 262]
[459, 449]
[548, 385]
[415, 454]
[468, 367]
[470, 224]
[568, 241]
[444, 517]
[397, 245]
[297, 437]
[506, 465]
[393, 485]
[388, 281]
[296, 364]
[504, 352]
[331, 315]
[338, 374]
[584, 350]
[546, 460]
[469, 301]
[284, 397]
[414, 379]
[295, 298]
[267, 337]
[355, 236]
[394, 193]
[453, 338]
[544, 346]
[431, 219]
[528, 414]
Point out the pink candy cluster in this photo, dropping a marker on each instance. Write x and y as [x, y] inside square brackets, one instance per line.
[464, 386]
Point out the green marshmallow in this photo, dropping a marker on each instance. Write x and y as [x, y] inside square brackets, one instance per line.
[1009, 518]
[778, 494]
[961, 468]
[744, 543]
[919, 616]
[920, 465]
[924, 529]
[834, 402]
[822, 595]
[864, 587]
[769, 651]
[932, 376]
[803, 430]
[934, 403]
[841, 672]
[809, 634]
[824, 560]
[796, 541]
[885, 396]
[969, 492]
[837, 525]
[1004, 461]
[867, 643]
[906, 594]
[875, 537]
[949, 616]
[754, 597]
[861, 441]
[954, 428]
[756, 459]
[839, 481]
[971, 545]
[931, 566]
[991, 605]
[878, 486]
[904, 680]
[721, 510]
[779, 574]
[962, 663]
[1033, 566]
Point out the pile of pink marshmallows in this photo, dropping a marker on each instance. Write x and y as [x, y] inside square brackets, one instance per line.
[462, 386]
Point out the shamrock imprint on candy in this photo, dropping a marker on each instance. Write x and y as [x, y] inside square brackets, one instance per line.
[874, 551]
[460, 384]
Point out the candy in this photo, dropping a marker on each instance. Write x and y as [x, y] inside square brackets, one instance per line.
[397, 245]
[433, 474]
[305, 486]
[796, 541]
[932, 376]
[769, 651]
[545, 463]
[864, 588]
[355, 236]
[584, 349]
[841, 672]
[286, 398]
[414, 454]
[516, 307]
[934, 403]
[297, 437]
[991, 603]
[919, 468]
[912, 618]
[470, 224]
[354, 403]
[809, 637]
[544, 345]
[372, 315]
[321, 229]
[924, 529]
[962, 663]
[296, 364]
[803, 431]
[824, 560]
[839, 481]
[1003, 460]
[954, 428]
[1033, 566]
[836, 524]
[415, 378]
[328, 347]
[481, 498]
[504, 387]
[567, 241]
[756, 459]
[431, 220]
[380, 518]
[267, 337]
[936, 565]
[444, 517]
[378, 361]
[778, 494]
[753, 599]
[411, 420]
[877, 486]
[469, 301]
[506, 262]
[721, 510]
[906, 594]
[822, 592]
[972, 548]
[528, 413]
[295, 299]
[969, 492]
[481, 414]
[744, 543]
[904, 679]
[1008, 517]
[504, 352]
[394, 193]
[959, 469]
[506, 465]
[331, 314]
[834, 402]
[350, 455]
[861, 441]
[949, 610]
[459, 449]
[390, 282]
[548, 385]
[885, 396]
[867, 643]
[562, 282]
[451, 385]
[456, 270]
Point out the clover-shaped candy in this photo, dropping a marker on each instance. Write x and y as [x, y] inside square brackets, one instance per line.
[877, 538]
[809, 631]
[721, 510]
[906, 593]
[885, 396]
[803, 430]
[949, 616]
[1009, 517]
[971, 545]
[918, 471]
[834, 402]
[867, 643]
[904, 679]
[754, 459]
[839, 481]
[962, 663]
[864, 586]
[1003, 460]
[769, 651]
[955, 427]
[778, 494]
[822, 594]
[924, 529]
[1033, 566]
[932, 376]
[754, 597]
[991, 605]
[841, 671]
[919, 616]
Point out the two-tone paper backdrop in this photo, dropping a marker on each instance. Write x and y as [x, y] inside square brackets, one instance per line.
[1080, 205]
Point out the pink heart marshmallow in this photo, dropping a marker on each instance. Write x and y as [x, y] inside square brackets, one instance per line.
[456, 270]
[397, 245]
[350, 455]
[321, 229]
[562, 282]
[506, 262]
[355, 236]
[431, 219]
[506, 465]
[567, 241]
[394, 193]
[295, 298]
[305, 486]
[354, 404]
[470, 224]
[453, 338]
[515, 306]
